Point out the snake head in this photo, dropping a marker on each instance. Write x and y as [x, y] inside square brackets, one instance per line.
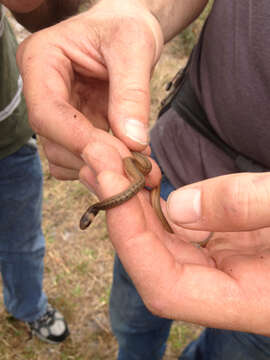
[88, 217]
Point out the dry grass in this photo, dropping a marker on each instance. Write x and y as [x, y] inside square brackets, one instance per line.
[78, 267]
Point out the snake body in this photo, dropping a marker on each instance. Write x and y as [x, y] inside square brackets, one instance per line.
[136, 168]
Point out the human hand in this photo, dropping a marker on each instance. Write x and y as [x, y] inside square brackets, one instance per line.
[225, 285]
[88, 74]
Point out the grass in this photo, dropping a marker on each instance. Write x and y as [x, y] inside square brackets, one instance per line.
[78, 265]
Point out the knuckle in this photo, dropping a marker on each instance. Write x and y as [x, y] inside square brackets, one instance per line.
[237, 201]
[27, 52]
[134, 93]
[36, 117]
[53, 170]
[50, 152]
[130, 95]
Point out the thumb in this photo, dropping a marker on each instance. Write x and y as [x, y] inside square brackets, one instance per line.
[130, 60]
[236, 202]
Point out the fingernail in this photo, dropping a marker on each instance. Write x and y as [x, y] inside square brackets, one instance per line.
[137, 131]
[184, 206]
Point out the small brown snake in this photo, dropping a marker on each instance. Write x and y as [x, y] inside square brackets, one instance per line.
[136, 168]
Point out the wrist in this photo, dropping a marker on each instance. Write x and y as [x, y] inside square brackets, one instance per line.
[133, 9]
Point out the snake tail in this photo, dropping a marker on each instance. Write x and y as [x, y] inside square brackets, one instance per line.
[88, 217]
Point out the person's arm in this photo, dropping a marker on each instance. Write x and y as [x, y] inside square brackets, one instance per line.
[36, 15]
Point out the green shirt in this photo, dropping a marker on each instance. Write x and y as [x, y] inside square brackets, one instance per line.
[14, 127]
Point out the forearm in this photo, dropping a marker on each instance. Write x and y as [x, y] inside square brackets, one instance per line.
[48, 13]
[174, 15]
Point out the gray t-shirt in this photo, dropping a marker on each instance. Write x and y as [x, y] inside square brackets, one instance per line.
[230, 73]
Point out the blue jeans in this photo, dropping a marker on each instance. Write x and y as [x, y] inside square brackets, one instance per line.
[143, 336]
[22, 244]
[227, 345]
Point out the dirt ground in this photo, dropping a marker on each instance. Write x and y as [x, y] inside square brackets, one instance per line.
[78, 265]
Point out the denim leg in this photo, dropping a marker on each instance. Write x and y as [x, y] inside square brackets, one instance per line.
[140, 334]
[22, 244]
[216, 344]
